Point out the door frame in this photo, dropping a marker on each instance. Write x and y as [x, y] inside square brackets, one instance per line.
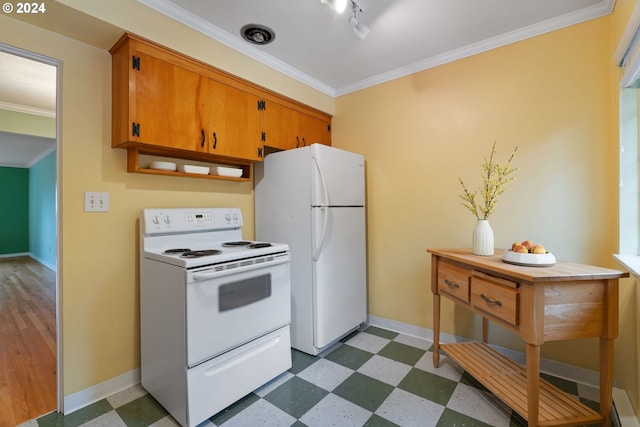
[58, 64]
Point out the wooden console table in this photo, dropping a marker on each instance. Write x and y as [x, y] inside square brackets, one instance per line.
[565, 301]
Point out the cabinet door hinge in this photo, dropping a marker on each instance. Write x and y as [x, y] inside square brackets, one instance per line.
[135, 129]
[264, 136]
[260, 152]
[329, 128]
[135, 62]
[262, 105]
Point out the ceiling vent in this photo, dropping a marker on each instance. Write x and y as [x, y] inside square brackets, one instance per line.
[257, 34]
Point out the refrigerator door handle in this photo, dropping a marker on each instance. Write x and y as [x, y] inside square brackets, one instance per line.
[323, 209]
[323, 233]
[325, 189]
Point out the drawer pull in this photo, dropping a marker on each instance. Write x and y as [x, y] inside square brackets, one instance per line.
[451, 284]
[491, 301]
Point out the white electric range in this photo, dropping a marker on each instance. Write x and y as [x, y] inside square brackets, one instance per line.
[215, 310]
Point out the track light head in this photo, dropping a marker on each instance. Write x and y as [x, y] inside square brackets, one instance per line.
[360, 30]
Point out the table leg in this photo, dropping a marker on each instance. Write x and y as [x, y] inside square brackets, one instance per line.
[533, 383]
[436, 330]
[485, 330]
[606, 378]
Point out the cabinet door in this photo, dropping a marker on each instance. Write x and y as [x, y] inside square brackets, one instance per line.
[167, 106]
[281, 126]
[314, 130]
[233, 128]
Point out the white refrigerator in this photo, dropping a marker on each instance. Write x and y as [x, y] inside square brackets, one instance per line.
[313, 199]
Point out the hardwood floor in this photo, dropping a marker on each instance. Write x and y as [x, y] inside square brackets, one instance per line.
[27, 340]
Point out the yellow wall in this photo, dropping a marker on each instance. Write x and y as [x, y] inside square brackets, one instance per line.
[550, 97]
[553, 96]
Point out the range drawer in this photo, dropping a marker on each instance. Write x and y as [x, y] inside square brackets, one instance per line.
[454, 280]
[495, 296]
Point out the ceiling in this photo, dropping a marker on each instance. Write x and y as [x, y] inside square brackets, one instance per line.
[315, 45]
[27, 87]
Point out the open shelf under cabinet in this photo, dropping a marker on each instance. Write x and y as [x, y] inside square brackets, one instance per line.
[508, 381]
[133, 165]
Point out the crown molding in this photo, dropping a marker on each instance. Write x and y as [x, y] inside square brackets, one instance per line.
[169, 9]
[27, 110]
[573, 18]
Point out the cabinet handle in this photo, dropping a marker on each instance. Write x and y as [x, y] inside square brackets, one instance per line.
[297, 142]
[451, 284]
[215, 140]
[203, 137]
[491, 301]
[304, 143]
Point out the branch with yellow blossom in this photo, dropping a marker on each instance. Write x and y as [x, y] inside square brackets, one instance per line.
[495, 179]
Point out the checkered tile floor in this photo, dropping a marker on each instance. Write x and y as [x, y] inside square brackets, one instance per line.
[371, 378]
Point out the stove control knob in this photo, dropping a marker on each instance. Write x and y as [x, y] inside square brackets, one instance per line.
[156, 220]
[227, 216]
[167, 219]
[235, 216]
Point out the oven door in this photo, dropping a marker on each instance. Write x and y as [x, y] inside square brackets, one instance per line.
[234, 303]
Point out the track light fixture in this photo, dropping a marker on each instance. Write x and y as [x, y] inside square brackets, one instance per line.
[360, 30]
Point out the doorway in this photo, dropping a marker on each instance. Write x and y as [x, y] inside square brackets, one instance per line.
[30, 291]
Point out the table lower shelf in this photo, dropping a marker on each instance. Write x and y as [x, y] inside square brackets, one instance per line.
[508, 381]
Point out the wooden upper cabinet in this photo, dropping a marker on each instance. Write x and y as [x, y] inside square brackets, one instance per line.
[281, 126]
[286, 127]
[315, 130]
[168, 104]
[165, 101]
[233, 122]
[167, 109]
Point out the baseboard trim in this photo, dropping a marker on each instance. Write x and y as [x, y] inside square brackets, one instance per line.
[622, 407]
[17, 254]
[47, 264]
[82, 398]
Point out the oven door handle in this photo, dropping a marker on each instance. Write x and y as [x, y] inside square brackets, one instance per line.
[212, 272]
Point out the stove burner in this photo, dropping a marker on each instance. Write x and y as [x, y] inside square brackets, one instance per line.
[198, 254]
[259, 245]
[176, 251]
[238, 243]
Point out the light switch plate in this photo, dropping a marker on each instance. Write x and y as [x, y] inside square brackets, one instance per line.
[96, 201]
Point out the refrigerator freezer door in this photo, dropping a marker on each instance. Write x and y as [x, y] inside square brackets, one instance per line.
[339, 287]
[337, 177]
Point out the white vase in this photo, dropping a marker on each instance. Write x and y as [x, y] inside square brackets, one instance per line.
[483, 238]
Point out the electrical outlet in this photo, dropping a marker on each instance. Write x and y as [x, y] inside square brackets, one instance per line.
[96, 201]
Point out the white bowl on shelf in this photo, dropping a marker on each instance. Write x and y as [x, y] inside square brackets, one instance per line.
[163, 166]
[528, 260]
[226, 171]
[200, 170]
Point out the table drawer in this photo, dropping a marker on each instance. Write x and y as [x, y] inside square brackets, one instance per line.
[454, 281]
[497, 297]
